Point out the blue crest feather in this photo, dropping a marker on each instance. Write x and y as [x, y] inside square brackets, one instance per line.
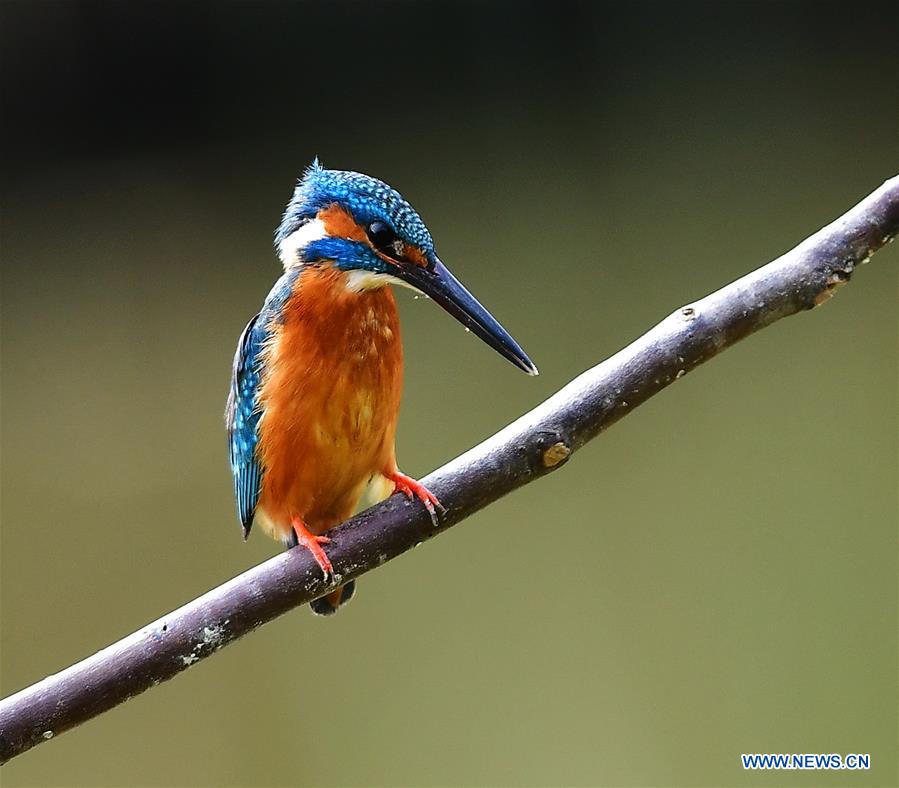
[366, 198]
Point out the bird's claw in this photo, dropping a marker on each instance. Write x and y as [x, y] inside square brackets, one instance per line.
[414, 489]
[313, 543]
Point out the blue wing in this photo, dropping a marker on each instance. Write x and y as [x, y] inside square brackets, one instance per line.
[242, 419]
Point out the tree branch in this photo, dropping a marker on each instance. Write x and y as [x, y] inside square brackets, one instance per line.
[534, 445]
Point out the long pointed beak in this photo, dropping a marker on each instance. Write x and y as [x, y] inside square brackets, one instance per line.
[437, 282]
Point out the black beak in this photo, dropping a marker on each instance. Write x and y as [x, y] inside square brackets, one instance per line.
[439, 284]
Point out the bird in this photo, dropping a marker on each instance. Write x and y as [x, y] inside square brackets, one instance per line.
[317, 377]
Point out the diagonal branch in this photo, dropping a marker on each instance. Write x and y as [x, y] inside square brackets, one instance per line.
[535, 444]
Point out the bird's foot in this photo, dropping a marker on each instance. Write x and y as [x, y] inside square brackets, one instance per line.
[305, 538]
[413, 489]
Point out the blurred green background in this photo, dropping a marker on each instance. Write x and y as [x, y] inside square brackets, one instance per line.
[730, 550]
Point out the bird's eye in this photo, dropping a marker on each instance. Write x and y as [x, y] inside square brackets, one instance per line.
[382, 237]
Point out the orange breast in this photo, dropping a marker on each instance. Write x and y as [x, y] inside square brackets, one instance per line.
[330, 399]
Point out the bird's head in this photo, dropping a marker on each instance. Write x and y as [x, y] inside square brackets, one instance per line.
[362, 226]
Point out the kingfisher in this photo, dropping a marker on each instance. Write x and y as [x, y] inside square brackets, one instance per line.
[318, 373]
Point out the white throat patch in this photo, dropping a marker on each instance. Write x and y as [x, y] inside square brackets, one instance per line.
[290, 248]
[359, 281]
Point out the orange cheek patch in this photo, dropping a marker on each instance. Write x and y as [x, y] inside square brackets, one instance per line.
[339, 223]
[415, 255]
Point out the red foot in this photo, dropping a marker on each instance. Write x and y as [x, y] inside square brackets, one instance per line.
[307, 539]
[413, 489]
